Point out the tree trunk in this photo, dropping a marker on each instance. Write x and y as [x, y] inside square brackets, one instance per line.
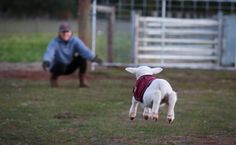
[84, 21]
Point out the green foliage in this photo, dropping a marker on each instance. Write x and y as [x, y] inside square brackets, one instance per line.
[23, 47]
[33, 113]
[30, 8]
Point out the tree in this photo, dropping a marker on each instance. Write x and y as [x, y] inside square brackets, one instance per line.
[84, 20]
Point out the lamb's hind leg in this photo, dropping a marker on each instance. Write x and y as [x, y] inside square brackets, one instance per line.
[156, 105]
[133, 109]
[171, 101]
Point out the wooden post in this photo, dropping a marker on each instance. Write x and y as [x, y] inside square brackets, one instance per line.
[84, 21]
[110, 32]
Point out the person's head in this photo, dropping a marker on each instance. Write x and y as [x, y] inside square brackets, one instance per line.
[65, 32]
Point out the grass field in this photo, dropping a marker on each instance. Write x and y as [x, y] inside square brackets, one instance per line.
[33, 113]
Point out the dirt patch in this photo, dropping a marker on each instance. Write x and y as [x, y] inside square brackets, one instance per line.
[27, 71]
[7, 66]
[21, 74]
[30, 71]
[34, 71]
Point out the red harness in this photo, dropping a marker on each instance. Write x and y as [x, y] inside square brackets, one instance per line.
[141, 85]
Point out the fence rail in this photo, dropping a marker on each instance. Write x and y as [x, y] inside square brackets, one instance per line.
[176, 42]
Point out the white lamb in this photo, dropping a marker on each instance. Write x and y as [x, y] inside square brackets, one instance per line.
[151, 92]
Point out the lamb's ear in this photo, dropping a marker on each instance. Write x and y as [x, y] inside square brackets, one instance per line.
[132, 70]
[156, 70]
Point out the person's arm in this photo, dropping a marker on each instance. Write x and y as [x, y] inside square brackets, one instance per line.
[49, 55]
[85, 52]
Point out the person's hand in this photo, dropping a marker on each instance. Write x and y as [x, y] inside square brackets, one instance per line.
[45, 65]
[97, 60]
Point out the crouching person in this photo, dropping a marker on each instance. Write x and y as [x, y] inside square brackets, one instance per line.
[65, 54]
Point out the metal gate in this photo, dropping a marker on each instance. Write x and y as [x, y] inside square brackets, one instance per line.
[174, 42]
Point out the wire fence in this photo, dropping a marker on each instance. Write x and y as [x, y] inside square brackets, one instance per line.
[174, 8]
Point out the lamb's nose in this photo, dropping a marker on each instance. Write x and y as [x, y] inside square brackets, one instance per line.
[131, 118]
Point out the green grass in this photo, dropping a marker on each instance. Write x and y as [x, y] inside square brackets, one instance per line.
[33, 113]
[23, 47]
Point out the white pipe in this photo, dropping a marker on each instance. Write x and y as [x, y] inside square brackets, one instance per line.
[163, 16]
[94, 21]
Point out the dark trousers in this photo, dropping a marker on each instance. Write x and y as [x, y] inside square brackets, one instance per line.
[78, 62]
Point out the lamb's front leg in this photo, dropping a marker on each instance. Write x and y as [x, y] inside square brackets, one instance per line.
[171, 101]
[156, 104]
[133, 109]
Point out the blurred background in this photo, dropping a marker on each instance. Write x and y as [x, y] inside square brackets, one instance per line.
[30, 24]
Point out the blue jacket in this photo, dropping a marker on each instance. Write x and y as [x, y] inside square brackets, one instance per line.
[60, 51]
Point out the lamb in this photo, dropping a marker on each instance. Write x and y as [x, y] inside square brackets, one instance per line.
[152, 93]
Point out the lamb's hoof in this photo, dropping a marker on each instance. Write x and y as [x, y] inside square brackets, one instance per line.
[131, 118]
[155, 117]
[170, 121]
[145, 117]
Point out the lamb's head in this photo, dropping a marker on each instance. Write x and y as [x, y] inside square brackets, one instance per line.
[143, 70]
